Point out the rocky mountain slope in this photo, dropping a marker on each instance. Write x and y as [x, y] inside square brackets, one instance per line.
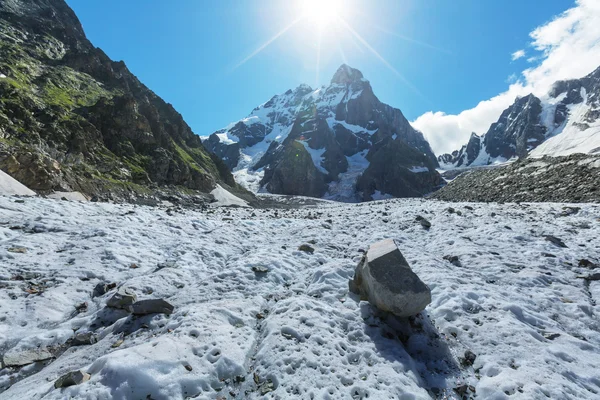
[574, 178]
[338, 141]
[565, 121]
[71, 119]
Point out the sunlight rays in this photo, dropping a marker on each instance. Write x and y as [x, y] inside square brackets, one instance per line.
[411, 40]
[326, 15]
[268, 42]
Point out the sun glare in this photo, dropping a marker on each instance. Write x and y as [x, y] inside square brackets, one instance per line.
[321, 12]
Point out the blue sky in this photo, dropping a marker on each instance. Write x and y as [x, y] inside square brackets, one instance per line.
[457, 52]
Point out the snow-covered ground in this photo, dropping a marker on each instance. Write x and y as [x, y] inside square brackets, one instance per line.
[290, 329]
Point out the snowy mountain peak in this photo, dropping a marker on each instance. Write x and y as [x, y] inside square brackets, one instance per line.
[338, 141]
[346, 75]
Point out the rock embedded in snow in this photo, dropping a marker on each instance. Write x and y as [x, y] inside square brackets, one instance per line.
[306, 248]
[21, 357]
[84, 338]
[72, 378]
[555, 241]
[151, 306]
[102, 288]
[385, 279]
[124, 298]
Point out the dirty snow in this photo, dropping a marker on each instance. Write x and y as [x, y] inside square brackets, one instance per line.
[514, 299]
[10, 186]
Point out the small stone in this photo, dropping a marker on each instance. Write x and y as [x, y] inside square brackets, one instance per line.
[469, 358]
[151, 306]
[468, 208]
[72, 378]
[551, 336]
[118, 343]
[259, 269]
[306, 248]
[84, 338]
[103, 288]
[17, 249]
[188, 367]
[453, 260]
[461, 390]
[583, 263]
[569, 211]
[424, 222]
[592, 277]
[555, 241]
[124, 298]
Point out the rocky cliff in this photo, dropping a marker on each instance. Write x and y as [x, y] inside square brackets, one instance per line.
[338, 141]
[71, 119]
[564, 121]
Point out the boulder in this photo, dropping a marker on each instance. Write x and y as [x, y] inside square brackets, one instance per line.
[151, 306]
[385, 279]
[124, 298]
[72, 378]
[21, 357]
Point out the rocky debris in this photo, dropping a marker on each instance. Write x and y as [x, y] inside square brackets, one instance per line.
[17, 249]
[468, 359]
[123, 298]
[84, 338]
[424, 222]
[385, 279]
[569, 179]
[102, 288]
[551, 336]
[585, 263]
[555, 241]
[453, 260]
[20, 357]
[72, 378]
[591, 277]
[566, 211]
[306, 248]
[260, 269]
[151, 306]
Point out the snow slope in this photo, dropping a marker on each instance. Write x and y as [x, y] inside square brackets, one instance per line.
[10, 186]
[514, 299]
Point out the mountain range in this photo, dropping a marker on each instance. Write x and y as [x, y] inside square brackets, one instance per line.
[563, 122]
[71, 119]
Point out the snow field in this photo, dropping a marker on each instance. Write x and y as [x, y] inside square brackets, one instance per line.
[513, 298]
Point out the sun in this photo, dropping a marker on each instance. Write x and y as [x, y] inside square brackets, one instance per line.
[321, 13]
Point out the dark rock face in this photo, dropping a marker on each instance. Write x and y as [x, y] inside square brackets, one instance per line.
[392, 171]
[466, 155]
[72, 119]
[330, 142]
[517, 131]
[575, 178]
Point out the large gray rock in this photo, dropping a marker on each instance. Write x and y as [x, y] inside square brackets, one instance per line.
[21, 357]
[385, 279]
[124, 298]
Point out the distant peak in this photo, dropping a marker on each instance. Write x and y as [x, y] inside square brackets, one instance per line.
[346, 74]
[303, 88]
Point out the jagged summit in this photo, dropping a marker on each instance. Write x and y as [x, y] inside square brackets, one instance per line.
[338, 141]
[345, 75]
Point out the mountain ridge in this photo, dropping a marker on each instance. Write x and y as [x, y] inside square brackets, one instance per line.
[564, 121]
[340, 127]
[71, 119]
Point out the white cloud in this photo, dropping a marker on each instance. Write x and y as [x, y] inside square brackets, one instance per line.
[569, 48]
[518, 54]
